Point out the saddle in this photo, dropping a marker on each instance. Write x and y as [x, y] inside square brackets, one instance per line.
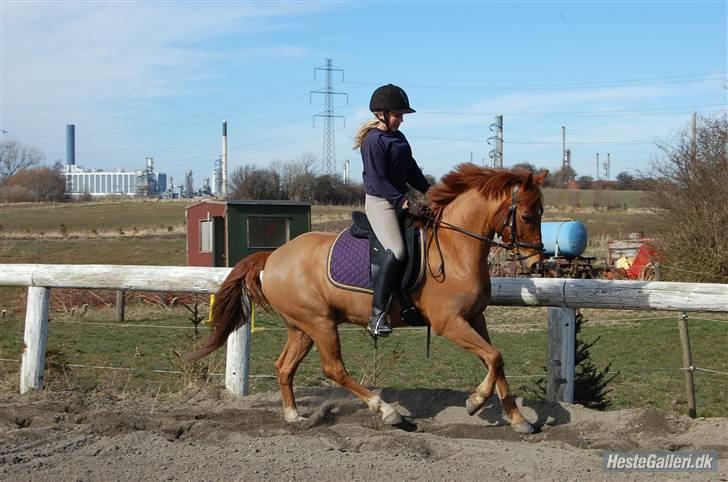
[355, 257]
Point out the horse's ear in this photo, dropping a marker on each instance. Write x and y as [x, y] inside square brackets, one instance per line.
[540, 178]
[529, 179]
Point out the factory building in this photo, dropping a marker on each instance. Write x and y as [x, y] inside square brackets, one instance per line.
[96, 182]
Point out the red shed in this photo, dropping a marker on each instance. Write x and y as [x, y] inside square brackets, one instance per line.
[209, 218]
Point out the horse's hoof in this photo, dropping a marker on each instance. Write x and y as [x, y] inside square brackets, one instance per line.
[474, 403]
[391, 417]
[523, 427]
[292, 416]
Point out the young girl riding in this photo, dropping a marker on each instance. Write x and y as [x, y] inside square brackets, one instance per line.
[388, 168]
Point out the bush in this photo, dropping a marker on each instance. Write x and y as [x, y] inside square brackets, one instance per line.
[40, 184]
[691, 192]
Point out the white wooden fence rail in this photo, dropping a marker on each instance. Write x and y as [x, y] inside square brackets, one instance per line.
[562, 295]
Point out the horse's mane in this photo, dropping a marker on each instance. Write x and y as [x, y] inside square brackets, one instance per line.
[490, 183]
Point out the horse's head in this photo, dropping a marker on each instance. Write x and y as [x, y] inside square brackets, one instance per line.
[518, 221]
[512, 207]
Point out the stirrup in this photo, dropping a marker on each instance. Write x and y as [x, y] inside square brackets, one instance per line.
[379, 326]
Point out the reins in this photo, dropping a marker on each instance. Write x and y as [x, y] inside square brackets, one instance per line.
[512, 246]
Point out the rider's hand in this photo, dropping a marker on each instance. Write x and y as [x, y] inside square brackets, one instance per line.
[417, 210]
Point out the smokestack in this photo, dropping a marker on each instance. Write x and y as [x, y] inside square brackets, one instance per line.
[150, 164]
[598, 166]
[563, 146]
[71, 144]
[224, 159]
[609, 162]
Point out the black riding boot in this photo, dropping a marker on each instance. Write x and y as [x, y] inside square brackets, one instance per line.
[384, 286]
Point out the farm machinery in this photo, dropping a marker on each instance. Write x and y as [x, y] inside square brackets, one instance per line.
[564, 244]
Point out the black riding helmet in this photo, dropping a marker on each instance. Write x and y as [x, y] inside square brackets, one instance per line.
[390, 98]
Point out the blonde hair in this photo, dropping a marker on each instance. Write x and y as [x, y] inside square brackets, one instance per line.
[364, 130]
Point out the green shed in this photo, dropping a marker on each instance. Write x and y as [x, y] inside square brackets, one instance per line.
[221, 233]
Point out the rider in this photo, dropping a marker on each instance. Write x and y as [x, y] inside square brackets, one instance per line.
[388, 167]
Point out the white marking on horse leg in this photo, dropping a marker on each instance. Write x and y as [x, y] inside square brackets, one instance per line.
[390, 415]
[291, 415]
[374, 403]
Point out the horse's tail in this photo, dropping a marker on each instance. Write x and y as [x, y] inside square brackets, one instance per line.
[227, 312]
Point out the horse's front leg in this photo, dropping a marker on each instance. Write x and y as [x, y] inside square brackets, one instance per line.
[518, 421]
[473, 337]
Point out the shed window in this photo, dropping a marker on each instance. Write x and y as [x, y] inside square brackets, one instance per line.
[206, 236]
[267, 232]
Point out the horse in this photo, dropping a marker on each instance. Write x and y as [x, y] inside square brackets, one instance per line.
[467, 208]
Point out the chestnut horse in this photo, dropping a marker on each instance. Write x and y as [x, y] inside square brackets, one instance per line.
[469, 207]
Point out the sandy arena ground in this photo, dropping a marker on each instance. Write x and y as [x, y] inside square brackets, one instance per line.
[212, 436]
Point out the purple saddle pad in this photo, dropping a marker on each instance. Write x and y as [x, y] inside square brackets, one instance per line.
[348, 263]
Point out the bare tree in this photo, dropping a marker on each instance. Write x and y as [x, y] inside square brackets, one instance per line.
[563, 176]
[298, 178]
[15, 157]
[251, 182]
[691, 191]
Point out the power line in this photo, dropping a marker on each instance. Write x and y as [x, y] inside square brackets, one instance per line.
[610, 143]
[208, 134]
[274, 139]
[480, 139]
[596, 113]
[686, 78]
[217, 112]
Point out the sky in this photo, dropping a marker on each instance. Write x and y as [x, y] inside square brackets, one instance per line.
[156, 79]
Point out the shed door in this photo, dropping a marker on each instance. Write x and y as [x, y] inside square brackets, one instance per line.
[219, 242]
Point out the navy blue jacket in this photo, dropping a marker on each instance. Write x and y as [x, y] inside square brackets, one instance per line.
[389, 166]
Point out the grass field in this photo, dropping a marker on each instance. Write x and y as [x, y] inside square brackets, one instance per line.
[153, 232]
[139, 217]
[646, 353]
[576, 198]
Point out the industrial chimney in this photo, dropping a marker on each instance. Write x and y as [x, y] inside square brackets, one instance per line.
[70, 144]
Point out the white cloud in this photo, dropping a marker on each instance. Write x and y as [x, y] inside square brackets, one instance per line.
[92, 63]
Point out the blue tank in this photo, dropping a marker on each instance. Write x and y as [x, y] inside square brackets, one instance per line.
[563, 238]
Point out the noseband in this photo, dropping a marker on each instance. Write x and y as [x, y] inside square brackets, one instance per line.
[510, 221]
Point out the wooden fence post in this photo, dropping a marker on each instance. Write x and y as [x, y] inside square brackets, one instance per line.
[120, 305]
[561, 351]
[237, 365]
[682, 323]
[428, 351]
[32, 370]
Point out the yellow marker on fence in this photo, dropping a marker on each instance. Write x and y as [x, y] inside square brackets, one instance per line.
[253, 329]
[209, 315]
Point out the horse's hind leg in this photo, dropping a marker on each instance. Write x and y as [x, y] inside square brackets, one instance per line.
[326, 337]
[296, 349]
[474, 338]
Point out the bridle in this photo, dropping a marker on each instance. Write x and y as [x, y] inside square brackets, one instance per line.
[512, 246]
